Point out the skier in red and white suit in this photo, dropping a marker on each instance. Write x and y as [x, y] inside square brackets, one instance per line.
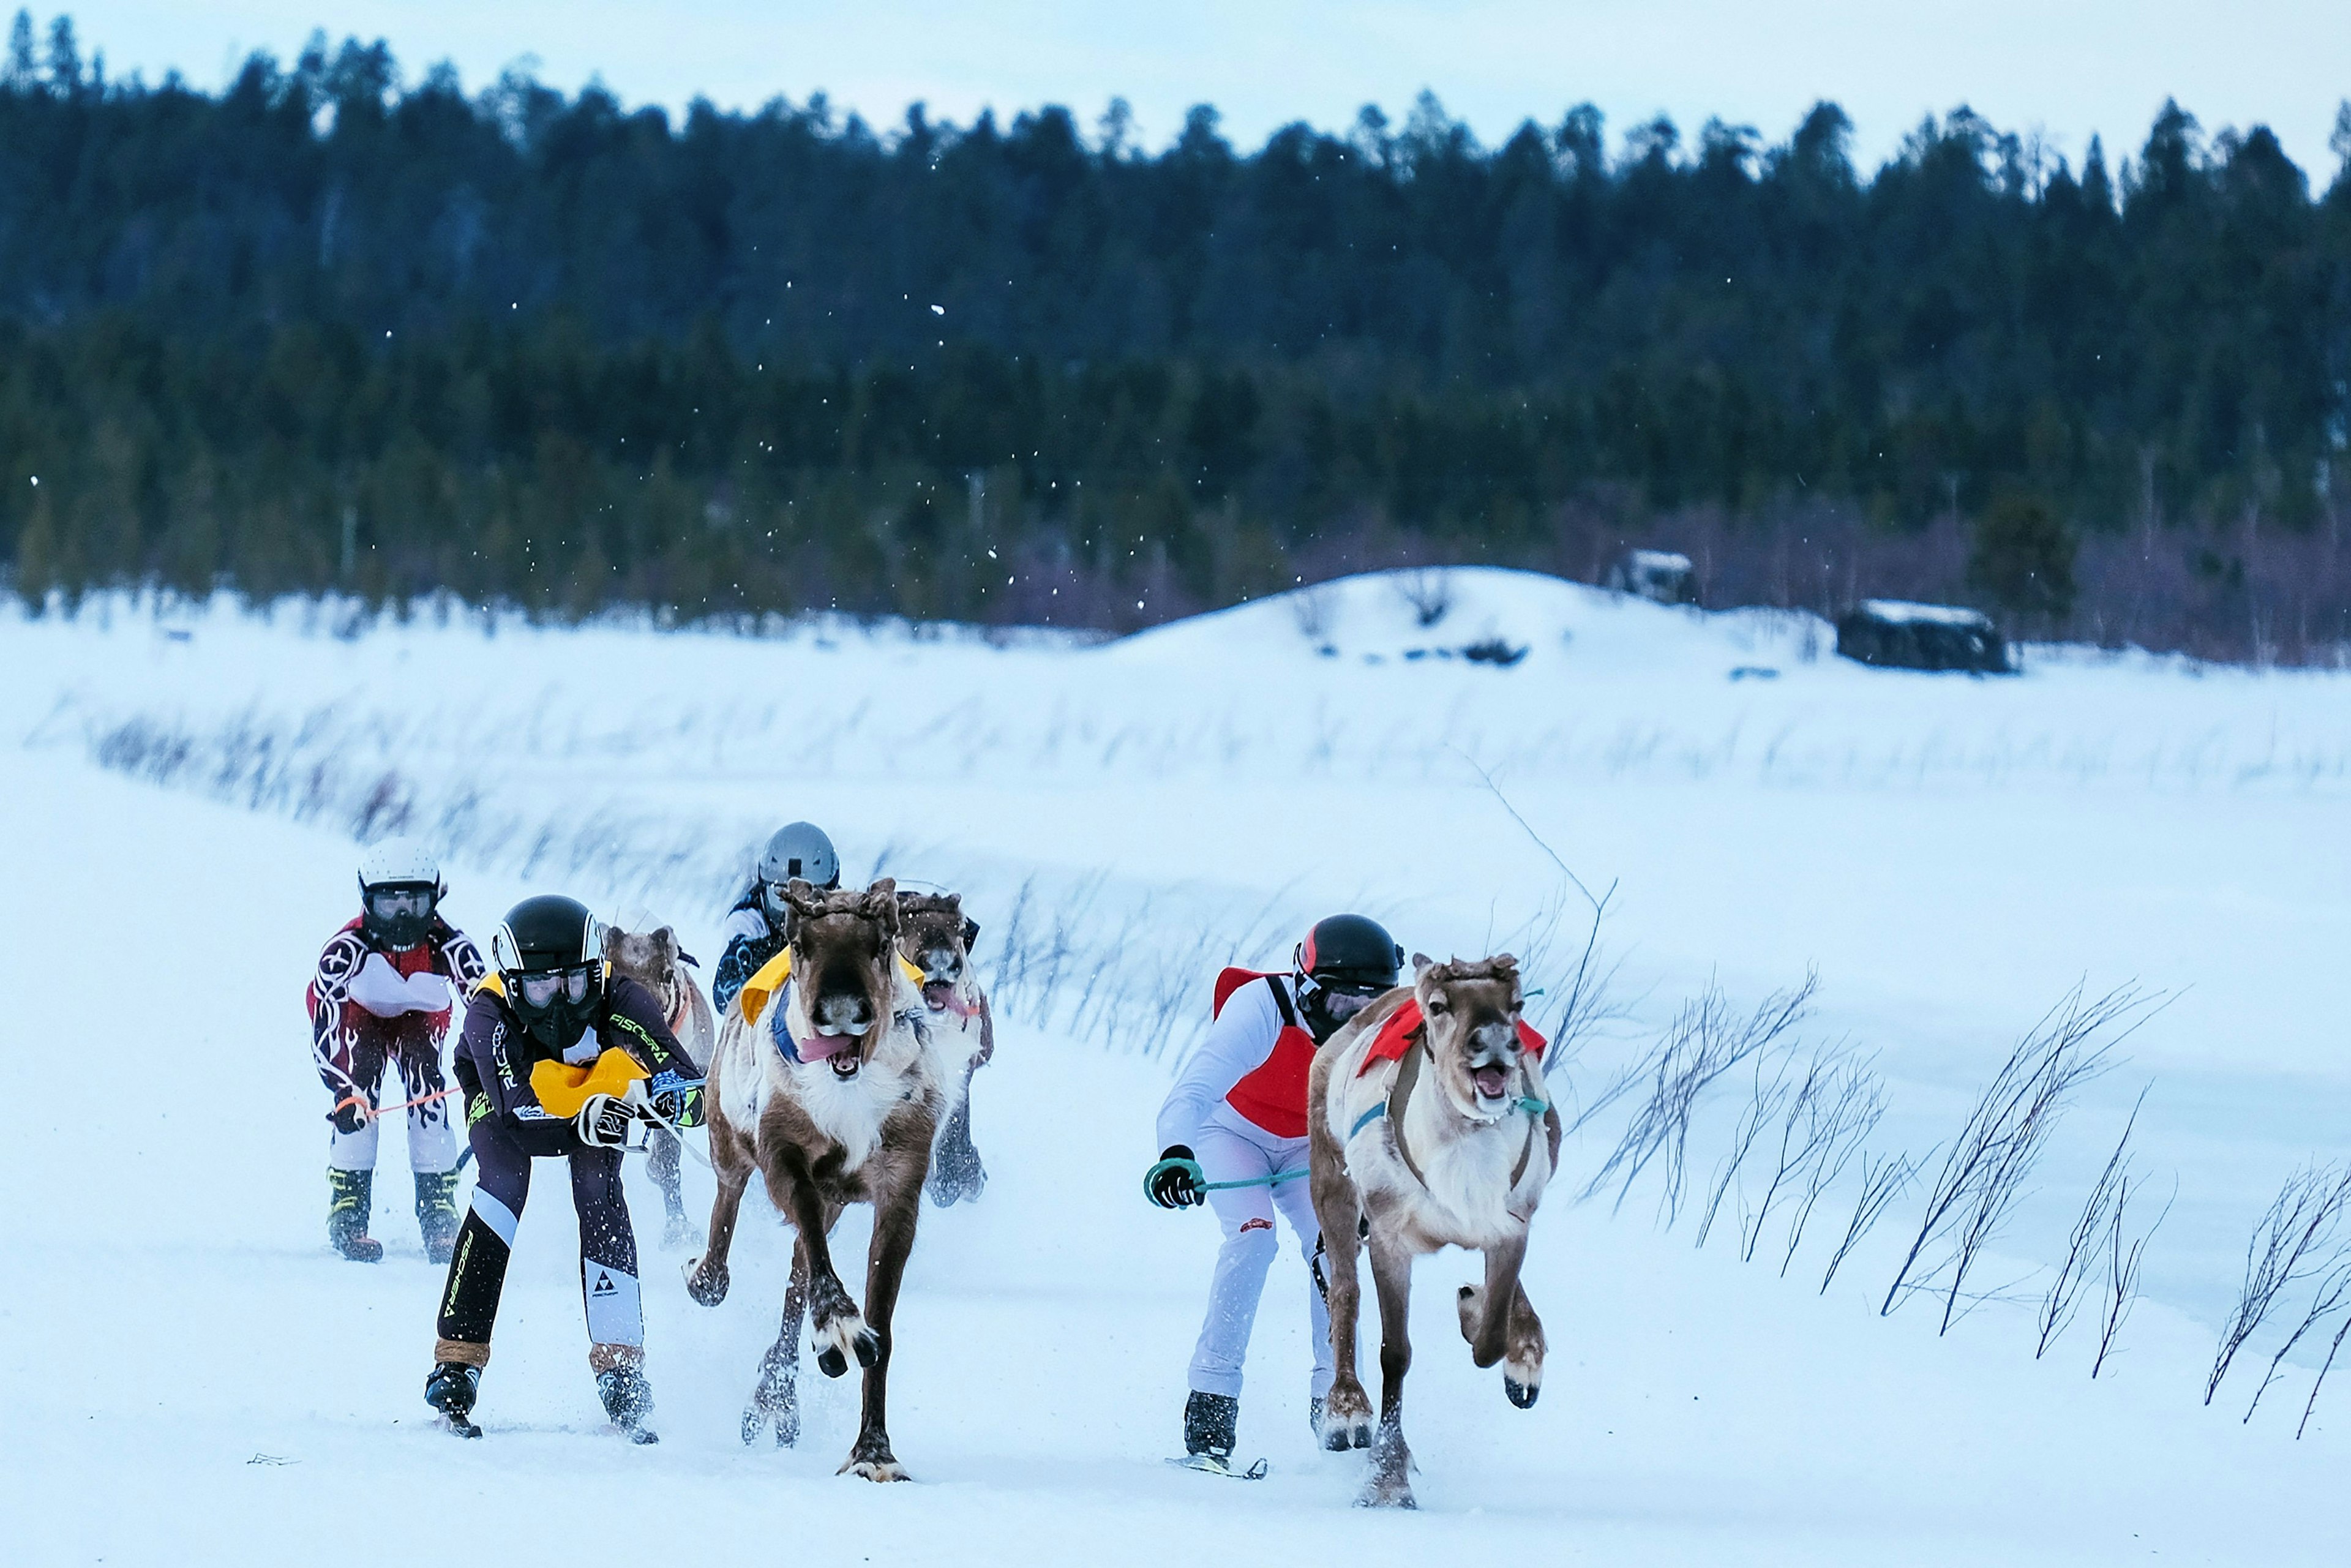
[385, 992]
[1237, 1113]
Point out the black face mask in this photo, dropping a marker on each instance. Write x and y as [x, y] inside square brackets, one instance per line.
[556, 1006]
[398, 916]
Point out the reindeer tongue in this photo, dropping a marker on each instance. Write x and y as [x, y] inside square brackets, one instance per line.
[936, 994]
[1491, 1081]
[824, 1047]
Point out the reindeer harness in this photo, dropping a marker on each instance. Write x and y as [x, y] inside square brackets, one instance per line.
[1403, 1039]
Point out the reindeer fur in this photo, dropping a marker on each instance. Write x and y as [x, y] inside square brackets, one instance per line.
[936, 938]
[825, 1133]
[1466, 1143]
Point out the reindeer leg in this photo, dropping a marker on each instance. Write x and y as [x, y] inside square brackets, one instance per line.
[705, 1277]
[1346, 1408]
[776, 1397]
[1390, 1482]
[840, 1328]
[661, 1162]
[956, 1173]
[895, 1212]
[1499, 1321]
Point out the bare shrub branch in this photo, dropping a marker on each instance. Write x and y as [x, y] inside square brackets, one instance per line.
[1763, 1108]
[2122, 1267]
[1983, 1176]
[1883, 1177]
[2312, 1403]
[2288, 1243]
[1705, 1042]
[2324, 1300]
[2063, 1297]
[1853, 1112]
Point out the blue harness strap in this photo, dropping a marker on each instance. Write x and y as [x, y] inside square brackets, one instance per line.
[777, 1029]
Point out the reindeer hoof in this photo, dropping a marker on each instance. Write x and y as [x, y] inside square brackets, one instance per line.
[680, 1232]
[1522, 1395]
[706, 1286]
[874, 1469]
[755, 1421]
[866, 1347]
[1379, 1496]
[830, 1362]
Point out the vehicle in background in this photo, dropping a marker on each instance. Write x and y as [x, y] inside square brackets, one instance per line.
[1661, 576]
[1895, 635]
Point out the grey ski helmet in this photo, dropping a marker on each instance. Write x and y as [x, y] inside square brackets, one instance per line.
[797, 850]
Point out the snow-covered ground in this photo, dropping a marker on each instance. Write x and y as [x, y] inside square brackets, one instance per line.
[197, 1376]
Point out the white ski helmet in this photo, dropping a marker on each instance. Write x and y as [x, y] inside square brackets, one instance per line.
[400, 863]
[400, 891]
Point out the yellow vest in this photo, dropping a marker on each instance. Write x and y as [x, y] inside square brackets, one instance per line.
[762, 988]
[563, 1088]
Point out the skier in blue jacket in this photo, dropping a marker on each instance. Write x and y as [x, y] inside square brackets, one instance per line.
[760, 923]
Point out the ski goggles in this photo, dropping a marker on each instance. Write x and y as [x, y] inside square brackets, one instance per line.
[541, 988]
[1343, 999]
[401, 903]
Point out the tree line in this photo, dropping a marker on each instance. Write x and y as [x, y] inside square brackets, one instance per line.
[328, 328]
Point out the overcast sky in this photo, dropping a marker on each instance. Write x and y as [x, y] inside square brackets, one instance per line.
[2063, 70]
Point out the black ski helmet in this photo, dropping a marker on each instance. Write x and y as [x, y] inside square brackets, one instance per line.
[1351, 950]
[1344, 962]
[549, 955]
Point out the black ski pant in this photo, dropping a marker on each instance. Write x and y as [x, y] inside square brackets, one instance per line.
[608, 1251]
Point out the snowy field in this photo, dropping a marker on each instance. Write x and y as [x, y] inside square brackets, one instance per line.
[201, 1379]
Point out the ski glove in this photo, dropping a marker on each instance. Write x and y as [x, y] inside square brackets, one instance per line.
[603, 1123]
[675, 1100]
[1176, 1181]
[349, 1115]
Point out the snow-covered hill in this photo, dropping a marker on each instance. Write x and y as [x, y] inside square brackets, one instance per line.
[205, 1379]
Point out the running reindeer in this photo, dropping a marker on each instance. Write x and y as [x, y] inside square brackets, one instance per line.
[654, 961]
[1430, 1126]
[828, 1084]
[935, 937]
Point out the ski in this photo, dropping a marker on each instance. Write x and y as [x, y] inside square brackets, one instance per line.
[1210, 1465]
[459, 1426]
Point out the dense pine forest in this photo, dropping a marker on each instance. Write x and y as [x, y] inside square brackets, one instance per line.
[333, 327]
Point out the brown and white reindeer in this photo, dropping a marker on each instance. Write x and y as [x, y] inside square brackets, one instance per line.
[1430, 1126]
[935, 936]
[653, 959]
[832, 1090]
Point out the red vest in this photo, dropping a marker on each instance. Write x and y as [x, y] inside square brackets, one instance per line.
[1272, 1096]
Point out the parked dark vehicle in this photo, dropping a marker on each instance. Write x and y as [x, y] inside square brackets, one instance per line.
[1892, 635]
[1661, 576]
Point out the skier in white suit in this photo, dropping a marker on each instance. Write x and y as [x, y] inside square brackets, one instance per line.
[1238, 1114]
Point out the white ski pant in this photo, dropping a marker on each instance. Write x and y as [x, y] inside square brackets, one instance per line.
[1231, 1148]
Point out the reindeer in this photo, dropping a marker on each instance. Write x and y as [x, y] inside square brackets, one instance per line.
[1430, 1126]
[934, 937]
[654, 961]
[833, 1092]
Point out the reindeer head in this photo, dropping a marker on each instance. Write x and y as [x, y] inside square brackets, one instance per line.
[648, 957]
[843, 957]
[1472, 1018]
[933, 936]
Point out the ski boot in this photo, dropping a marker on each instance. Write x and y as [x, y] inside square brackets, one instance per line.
[350, 1195]
[451, 1390]
[1210, 1421]
[436, 1214]
[628, 1400]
